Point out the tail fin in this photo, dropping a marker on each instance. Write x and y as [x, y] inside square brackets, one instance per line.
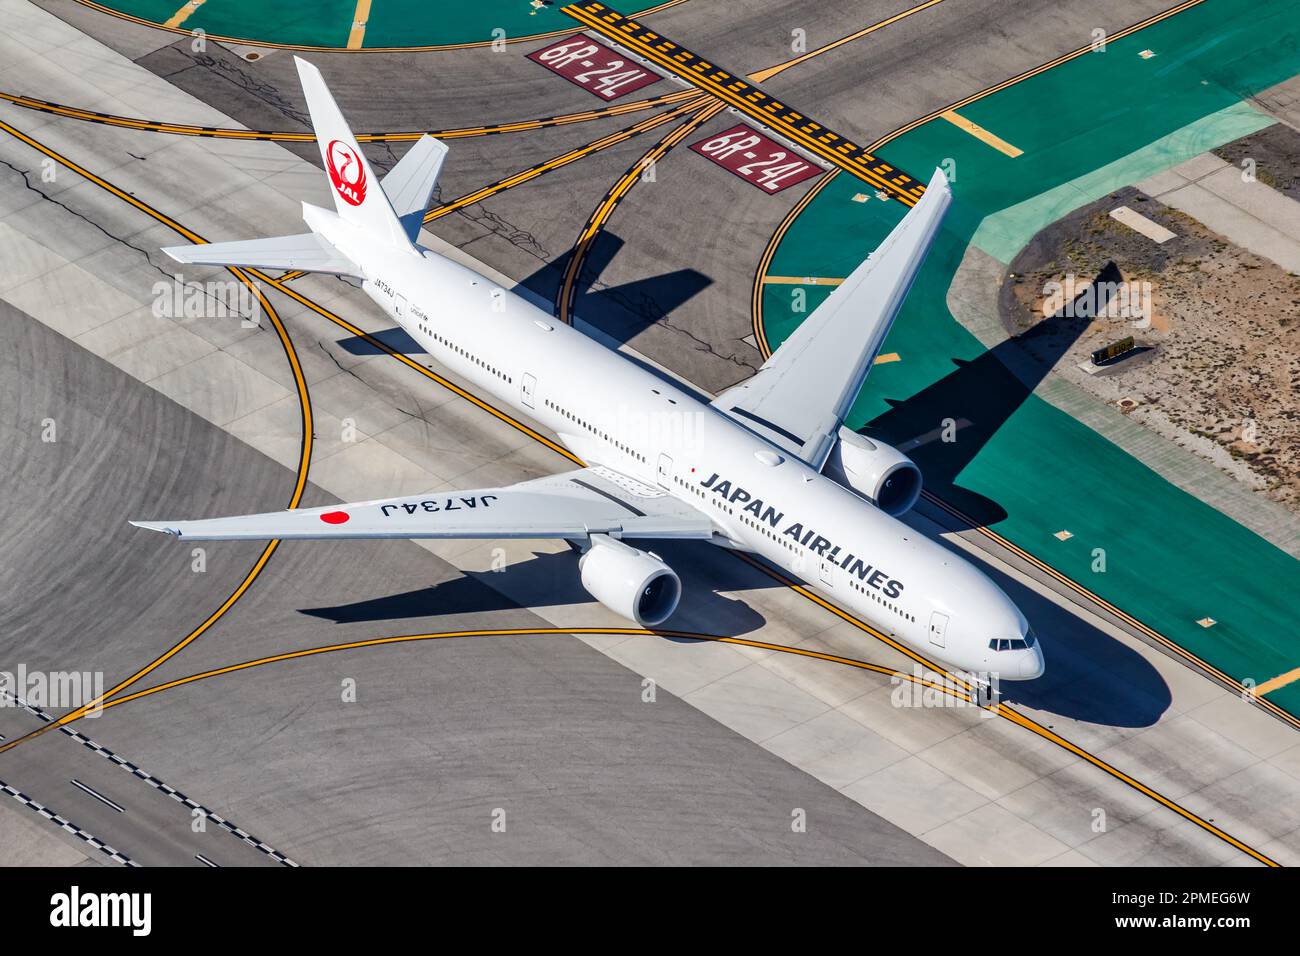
[362, 200]
[358, 195]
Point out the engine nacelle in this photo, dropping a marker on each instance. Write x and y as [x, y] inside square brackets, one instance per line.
[878, 472]
[632, 583]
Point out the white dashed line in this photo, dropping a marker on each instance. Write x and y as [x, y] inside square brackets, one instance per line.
[97, 795]
[153, 782]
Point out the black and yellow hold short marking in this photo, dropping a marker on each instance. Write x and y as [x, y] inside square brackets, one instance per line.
[736, 91]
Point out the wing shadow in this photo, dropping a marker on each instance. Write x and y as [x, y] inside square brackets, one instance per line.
[979, 396]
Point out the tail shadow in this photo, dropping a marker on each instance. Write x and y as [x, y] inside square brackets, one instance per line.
[620, 312]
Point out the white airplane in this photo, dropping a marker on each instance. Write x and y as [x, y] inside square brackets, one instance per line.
[767, 467]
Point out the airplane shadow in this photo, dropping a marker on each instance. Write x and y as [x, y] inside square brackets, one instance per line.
[979, 396]
[621, 311]
[1090, 675]
[397, 339]
[544, 580]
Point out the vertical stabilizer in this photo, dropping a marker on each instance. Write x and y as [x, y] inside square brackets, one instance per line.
[358, 195]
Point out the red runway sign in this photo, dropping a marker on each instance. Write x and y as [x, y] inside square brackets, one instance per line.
[756, 159]
[594, 66]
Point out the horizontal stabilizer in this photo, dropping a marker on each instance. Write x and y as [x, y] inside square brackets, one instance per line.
[410, 183]
[308, 252]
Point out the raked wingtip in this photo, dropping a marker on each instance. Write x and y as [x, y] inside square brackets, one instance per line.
[156, 526]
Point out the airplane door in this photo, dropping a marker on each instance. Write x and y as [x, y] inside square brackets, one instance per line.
[399, 306]
[827, 579]
[665, 470]
[528, 389]
[938, 629]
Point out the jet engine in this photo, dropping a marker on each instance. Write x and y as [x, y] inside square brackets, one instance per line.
[880, 473]
[635, 584]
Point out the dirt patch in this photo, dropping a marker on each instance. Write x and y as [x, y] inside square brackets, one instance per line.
[1273, 153]
[1217, 368]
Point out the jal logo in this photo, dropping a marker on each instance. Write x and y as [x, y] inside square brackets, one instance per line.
[346, 172]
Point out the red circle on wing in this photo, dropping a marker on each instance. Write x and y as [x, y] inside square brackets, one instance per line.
[335, 517]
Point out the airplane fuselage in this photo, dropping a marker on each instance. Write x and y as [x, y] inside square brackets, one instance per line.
[610, 411]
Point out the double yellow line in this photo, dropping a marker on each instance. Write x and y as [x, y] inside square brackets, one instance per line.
[558, 162]
[605, 208]
[218, 132]
[304, 452]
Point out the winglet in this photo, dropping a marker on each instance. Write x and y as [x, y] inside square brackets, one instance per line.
[156, 526]
[939, 181]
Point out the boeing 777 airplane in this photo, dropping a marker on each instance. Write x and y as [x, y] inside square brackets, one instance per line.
[766, 467]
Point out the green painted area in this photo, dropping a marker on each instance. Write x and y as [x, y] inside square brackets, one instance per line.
[1003, 234]
[391, 23]
[297, 22]
[1021, 466]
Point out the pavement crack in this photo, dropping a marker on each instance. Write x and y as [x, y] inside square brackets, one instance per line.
[233, 73]
[27, 183]
[703, 345]
[207, 289]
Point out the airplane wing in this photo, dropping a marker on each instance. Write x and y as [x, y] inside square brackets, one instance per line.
[573, 505]
[799, 398]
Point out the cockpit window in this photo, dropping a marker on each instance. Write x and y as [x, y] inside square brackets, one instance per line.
[1010, 644]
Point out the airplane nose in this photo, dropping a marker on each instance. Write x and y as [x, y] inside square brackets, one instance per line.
[1032, 664]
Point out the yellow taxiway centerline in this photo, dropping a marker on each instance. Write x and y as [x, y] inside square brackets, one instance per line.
[772, 71]
[981, 134]
[183, 14]
[185, 129]
[800, 280]
[573, 155]
[1278, 682]
[358, 31]
[568, 287]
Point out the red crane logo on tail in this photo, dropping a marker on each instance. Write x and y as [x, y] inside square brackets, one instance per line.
[346, 172]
